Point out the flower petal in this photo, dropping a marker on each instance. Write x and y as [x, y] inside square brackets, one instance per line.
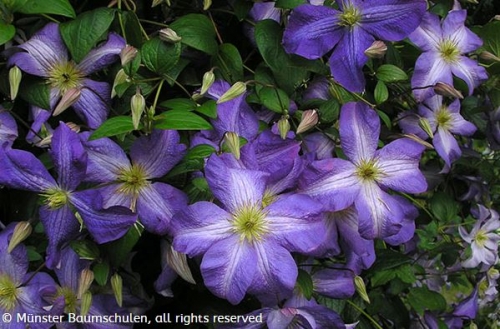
[68, 273]
[228, 268]
[407, 230]
[14, 264]
[93, 105]
[446, 146]
[312, 31]
[454, 29]
[158, 152]
[102, 56]
[469, 71]
[428, 35]
[430, 68]
[8, 127]
[334, 283]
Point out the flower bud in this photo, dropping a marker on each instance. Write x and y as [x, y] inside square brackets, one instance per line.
[232, 141]
[117, 286]
[361, 288]
[447, 90]
[15, 77]
[238, 89]
[208, 80]
[21, 232]
[137, 106]
[86, 302]
[376, 50]
[121, 77]
[496, 18]
[487, 56]
[86, 279]
[426, 126]
[178, 262]
[127, 54]
[309, 119]
[69, 98]
[207, 4]
[85, 249]
[283, 127]
[419, 140]
[169, 35]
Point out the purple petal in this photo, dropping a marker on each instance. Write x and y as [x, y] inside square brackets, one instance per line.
[359, 131]
[228, 268]
[469, 71]
[428, 35]
[312, 31]
[234, 187]
[68, 273]
[8, 127]
[408, 121]
[22, 170]
[103, 224]
[14, 264]
[44, 50]
[334, 283]
[407, 230]
[319, 144]
[296, 223]
[265, 10]
[454, 29]
[158, 152]
[157, 204]
[392, 20]
[70, 159]
[348, 59]
[93, 105]
[40, 117]
[469, 307]
[430, 68]
[318, 88]
[113, 195]
[330, 246]
[102, 56]
[446, 146]
[199, 226]
[398, 164]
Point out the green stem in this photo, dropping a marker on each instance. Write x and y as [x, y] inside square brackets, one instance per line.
[372, 320]
[160, 85]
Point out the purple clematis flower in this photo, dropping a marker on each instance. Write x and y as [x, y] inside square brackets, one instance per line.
[22, 170]
[45, 55]
[246, 243]
[20, 291]
[128, 183]
[312, 31]
[444, 46]
[8, 127]
[368, 173]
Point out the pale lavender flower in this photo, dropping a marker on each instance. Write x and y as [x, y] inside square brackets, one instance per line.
[8, 127]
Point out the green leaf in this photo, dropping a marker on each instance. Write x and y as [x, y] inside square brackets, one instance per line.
[381, 92]
[82, 34]
[289, 4]
[390, 73]
[329, 111]
[184, 104]
[491, 37]
[112, 127]
[159, 56]
[132, 27]
[56, 7]
[7, 31]
[274, 99]
[172, 74]
[209, 108]
[85, 249]
[421, 299]
[385, 118]
[35, 92]
[101, 273]
[118, 250]
[196, 31]
[181, 120]
[305, 284]
[201, 151]
[229, 62]
[443, 207]
[382, 277]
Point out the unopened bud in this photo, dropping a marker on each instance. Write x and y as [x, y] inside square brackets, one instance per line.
[283, 127]
[169, 35]
[447, 90]
[426, 126]
[69, 98]
[85, 249]
[472, 325]
[178, 262]
[86, 279]
[85, 303]
[15, 77]
[419, 140]
[376, 50]
[117, 286]
[73, 126]
[121, 77]
[232, 141]
[137, 106]
[487, 56]
[238, 89]
[208, 80]
[496, 18]
[196, 96]
[361, 288]
[21, 232]
[207, 4]
[309, 119]
[45, 141]
[127, 54]
[156, 3]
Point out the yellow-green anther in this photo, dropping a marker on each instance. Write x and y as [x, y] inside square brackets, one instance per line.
[137, 106]
[232, 141]
[283, 126]
[68, 99]
[361, 288]
[8, 293]
[86, 303]
[207, 4]
[309, 119]
[376, 50]
[121, 77]
[447, 90]
[208, 80]
[21, 232]
[117, 287]
[169, 35]
[86, 279]
[236, 90]
[127, 54]
[15, 77]
[178, 262]
[426, 126]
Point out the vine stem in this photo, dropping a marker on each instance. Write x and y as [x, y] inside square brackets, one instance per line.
[372, 320]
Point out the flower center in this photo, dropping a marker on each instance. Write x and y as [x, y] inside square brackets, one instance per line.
[7, 292]
[64, 76]
[350, 16]
[367, 170]
[481, 238]
[55, 198]
[449, 51]
[443, 117]
[268, 198]
[70, 299]
[133, 179]
[250, 223]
